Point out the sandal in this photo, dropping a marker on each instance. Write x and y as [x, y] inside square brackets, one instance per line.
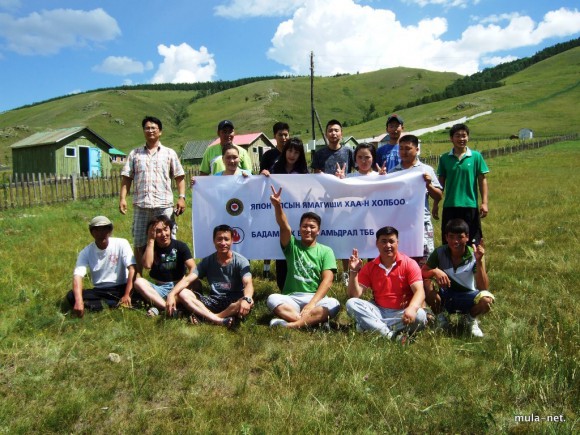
[228, 322]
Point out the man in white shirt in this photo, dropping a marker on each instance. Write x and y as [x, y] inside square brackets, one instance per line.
[111, 265]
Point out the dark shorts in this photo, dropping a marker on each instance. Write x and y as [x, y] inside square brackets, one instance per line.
[458, 302]
[216, 304]
[96, 298]
[469, 215]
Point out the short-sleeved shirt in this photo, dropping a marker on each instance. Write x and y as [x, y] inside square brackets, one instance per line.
[461, 185]
[423, 168]
[212, 160]
[169, 262]
[462, 277]
[269, 158]
[391, 288]
[151, 174]
[225, 280]
[326, 159]
[305, 266]
[107, 267]
[390, 154]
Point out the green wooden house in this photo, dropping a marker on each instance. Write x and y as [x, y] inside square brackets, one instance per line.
[67, 151]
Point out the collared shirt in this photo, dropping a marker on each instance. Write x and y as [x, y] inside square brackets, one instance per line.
[152, 173]
[391, 287]
[461, 177]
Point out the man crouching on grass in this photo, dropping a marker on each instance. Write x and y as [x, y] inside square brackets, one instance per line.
[460, 272]
[111, 264]
[230, 280]
[397, 287]
[311, 268]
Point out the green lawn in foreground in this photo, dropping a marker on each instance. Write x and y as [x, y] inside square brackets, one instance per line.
[55, 375]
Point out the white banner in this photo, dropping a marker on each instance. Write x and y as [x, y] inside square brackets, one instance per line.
[351, 209]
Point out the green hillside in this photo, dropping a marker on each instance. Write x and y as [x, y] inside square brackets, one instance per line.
[542, 97]
[116, 114]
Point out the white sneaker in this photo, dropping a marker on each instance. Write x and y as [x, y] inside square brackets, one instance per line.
[345, 278]
[278, 322]
[473, 326]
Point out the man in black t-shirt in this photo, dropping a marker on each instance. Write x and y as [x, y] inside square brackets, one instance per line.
[167, 260]
[281, 132]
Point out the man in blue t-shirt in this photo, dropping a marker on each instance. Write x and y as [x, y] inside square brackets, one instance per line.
[230, 280]
[388, 153]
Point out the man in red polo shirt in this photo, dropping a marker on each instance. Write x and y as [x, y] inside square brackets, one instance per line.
[397, 287]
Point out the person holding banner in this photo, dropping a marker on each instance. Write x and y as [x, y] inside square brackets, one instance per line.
[212, 161]
[332, 157]
[230, 280]
[281, 131]
[311, 267]
[397, 286]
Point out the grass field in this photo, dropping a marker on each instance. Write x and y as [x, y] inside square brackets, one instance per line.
[56, 375]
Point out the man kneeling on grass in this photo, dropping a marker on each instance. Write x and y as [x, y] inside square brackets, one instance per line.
[111, 264]
[397, 286]
[230, 281]
[167, 260]
[311, 268]
[460, 273]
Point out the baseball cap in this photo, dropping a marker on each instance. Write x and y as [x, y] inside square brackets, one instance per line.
[395, 117]
[100, 221]
[225, 123]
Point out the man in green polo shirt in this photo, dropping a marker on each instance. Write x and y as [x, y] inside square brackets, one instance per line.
[461, 172]
[212, 157]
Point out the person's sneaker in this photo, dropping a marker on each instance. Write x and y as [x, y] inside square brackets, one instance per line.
[401, 337]
[345, 278]
[442, 322]
[473, 326]
[278, 322]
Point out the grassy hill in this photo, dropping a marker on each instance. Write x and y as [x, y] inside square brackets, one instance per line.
[116, 114]
[542, 97]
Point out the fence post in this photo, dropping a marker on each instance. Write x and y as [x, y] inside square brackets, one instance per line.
[73, 185]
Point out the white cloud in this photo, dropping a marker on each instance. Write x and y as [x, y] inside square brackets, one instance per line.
[48, 32]
[184, 64]
[497, 60]
[325, 27]
[444, 3]
[122, 66]
[496, 18]
[258, 8]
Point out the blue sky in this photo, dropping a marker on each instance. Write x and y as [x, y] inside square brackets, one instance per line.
[50, 48]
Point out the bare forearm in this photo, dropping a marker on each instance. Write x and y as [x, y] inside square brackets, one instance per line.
[481, 278]
[148, 255]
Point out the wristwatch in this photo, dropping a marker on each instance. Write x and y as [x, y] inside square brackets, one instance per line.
[248, 299]
[181, 195]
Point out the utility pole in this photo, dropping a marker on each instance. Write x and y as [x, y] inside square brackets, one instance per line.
[312, 109]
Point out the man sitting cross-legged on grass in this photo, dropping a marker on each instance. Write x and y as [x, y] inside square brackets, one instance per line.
[111, 264]
[230, 281]
[167, 260]
[311, 268]
[460, 273]
[397, 286]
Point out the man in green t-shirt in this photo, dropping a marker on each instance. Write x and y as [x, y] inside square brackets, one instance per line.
[311, 268]
[212, 162]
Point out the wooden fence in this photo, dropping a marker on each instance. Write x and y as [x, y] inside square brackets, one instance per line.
[28, 190]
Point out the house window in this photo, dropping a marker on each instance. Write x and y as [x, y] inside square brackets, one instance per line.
[70, 152]
[255, 150]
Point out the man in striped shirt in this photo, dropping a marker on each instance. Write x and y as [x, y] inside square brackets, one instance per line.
[150, 169]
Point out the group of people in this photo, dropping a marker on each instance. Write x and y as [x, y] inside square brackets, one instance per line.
[403, 295]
